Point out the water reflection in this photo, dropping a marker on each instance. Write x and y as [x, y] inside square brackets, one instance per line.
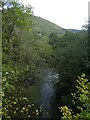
[44, 93]
[50, 78]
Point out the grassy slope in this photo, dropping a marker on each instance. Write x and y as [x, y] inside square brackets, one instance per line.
[43, 26]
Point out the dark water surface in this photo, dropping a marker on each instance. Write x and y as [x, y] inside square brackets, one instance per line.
[44, 93]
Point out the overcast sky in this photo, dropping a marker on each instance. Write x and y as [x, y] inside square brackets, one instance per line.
[65, 13]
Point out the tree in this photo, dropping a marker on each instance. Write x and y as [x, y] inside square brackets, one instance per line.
[70, 54]
[24, 58]
[14, 18]
[81, 100]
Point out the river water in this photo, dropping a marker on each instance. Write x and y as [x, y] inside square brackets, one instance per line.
[47, 91]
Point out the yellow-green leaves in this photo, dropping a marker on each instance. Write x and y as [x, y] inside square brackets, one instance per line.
[67, 113]
[13, 106]
[81, 96]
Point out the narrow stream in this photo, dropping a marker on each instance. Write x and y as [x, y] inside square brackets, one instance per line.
[43, 94]
[50, 77]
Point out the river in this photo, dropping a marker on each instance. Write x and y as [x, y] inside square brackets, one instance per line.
[44, 94]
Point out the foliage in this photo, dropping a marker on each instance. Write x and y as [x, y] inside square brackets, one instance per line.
[30, 45]
[14, 18]
[81, 99]
[69, 55]
[24, 57]
[14, 107]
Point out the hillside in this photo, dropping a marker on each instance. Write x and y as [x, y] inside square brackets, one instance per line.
[43, 26]
[74, 30]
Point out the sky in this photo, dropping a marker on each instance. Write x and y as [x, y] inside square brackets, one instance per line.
[69, 14]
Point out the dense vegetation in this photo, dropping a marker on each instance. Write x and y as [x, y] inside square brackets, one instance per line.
[81, 100]
[30, 45]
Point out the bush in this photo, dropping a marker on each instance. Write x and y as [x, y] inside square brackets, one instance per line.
[81, 99]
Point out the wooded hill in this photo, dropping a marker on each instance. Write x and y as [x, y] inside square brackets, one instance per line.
[44, 26]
